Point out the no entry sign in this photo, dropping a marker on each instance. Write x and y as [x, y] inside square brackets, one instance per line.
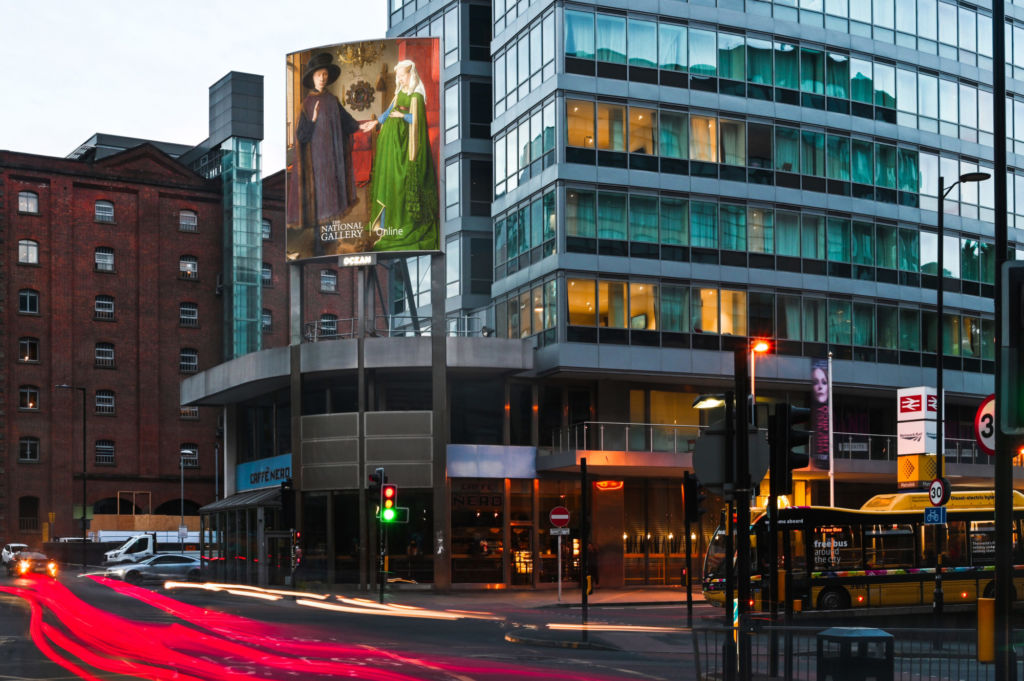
[559, 516]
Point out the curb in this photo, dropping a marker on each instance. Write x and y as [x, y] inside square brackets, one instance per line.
[557, 643]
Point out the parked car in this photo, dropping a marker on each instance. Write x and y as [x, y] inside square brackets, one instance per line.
[7, 554]
[157, 568]
[31, 560]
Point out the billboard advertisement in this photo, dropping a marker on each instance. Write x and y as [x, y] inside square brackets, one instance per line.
[363, 148]
[819, 422]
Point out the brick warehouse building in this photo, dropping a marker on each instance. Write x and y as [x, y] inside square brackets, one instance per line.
[114, 276]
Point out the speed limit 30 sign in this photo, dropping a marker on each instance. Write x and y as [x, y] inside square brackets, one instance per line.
[985, 425]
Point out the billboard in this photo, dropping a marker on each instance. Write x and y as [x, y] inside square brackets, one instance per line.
[363, 148]
[821, 390]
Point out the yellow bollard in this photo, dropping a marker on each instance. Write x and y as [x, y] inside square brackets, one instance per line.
[986, 630]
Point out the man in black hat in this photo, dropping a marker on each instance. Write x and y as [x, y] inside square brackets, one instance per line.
[323, 153]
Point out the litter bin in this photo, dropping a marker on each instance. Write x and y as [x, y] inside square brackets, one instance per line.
[855, 654]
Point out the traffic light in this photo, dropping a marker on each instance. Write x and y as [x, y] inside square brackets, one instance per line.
[694, 496]
[1011, 410]
[377, 479]
[786, 436]
[287, 504]
[388, 499]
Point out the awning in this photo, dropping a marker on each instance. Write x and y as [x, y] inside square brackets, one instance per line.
[270, 496]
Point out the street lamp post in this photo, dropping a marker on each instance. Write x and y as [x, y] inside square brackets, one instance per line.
[181, 523]
[759, 346]
[940, 422]
[85, 533]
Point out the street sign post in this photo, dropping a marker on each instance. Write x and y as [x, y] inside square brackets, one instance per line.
[559, 517]
[938, 492]
[985, 425]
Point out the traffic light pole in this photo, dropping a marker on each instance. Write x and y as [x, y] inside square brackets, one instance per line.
[728, 647]
[688, 489]
[743, 491]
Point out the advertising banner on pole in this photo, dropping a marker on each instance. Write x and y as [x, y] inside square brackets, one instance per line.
[363, 148]
[819, 422]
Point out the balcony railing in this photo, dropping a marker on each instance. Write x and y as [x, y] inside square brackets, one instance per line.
[392, 326]
[631, 437]
[674, 438]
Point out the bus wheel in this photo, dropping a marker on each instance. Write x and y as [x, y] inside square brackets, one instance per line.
[834, 598]
[990, 591]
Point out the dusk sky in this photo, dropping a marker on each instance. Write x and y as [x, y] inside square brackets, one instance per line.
[69, 69]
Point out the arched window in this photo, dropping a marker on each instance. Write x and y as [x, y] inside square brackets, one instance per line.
[28, 397]
[188, 361]
[105, 355]
[28, 202]
[188, 221]
[188, 267]
[28, 349]
[105, 452]
[28, 301]
[328, 325]
[104, 307]
[28, 449]
[188, 314]
[189, 455]
[105, 402]
[104, 211]
[28, 252]
[104, 259]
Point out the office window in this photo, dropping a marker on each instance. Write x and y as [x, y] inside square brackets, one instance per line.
[675, 309]
[674, 221]
[188, 221]
[28, 301]
[703, 52]
[787, 66]
[733, 222]
[760, 230]
[611, 216]
[189, 455]
[28, 202]
[611, 39]
[188, 314]
[643, 130]
[732, 56]
[453, 267]
[105, 402]
[266, 230]
[759, 61]
[837, 76]
[643, 306]
[612, 304]
[328, 325]
[643, 218]
[267, 320]
[104, 452]
[814, 320]
[28, 349]
[787, 149]
[104, 354]
[104, 258]
[188, 361]
[28, 252]
[703, 224]
[582, 302]
[104, 211]
[579, 116]
[328, 281]
[188, 267]
[734, 312]
[452, 189]
[704, 138]
[611, 127]
[267, 275]
[704, 306]
[579, 34]
[28, 397]
[734, 137]
[28, 449]
[840, 322]
[188, 413]
[103, 307]
[451, 112]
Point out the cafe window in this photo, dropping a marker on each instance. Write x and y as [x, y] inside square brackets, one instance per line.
[477, 526]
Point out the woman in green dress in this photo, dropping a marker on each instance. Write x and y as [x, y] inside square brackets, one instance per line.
[403, 186]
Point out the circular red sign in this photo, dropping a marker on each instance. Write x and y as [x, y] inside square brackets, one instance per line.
[985, 425]
[559, 516]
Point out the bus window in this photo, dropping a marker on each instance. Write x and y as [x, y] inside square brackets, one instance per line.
[956, 543]
[983, 542]
[889, 546]
[836, 547]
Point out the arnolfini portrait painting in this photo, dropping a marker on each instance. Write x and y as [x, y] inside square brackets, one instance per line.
[363, 145]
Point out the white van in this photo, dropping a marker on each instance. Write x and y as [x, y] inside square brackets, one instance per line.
[145, 545]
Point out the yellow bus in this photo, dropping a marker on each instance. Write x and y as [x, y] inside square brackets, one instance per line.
[879, 555]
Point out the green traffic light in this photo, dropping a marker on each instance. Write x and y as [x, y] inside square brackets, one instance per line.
[388, 515]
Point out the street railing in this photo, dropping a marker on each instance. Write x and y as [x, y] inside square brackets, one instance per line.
[918, 654]
[626, 437]
[875, 447]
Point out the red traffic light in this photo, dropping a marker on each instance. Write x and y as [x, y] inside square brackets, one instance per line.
[389, 491]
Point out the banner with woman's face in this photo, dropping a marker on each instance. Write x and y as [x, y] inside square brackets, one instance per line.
[362, 159]
[820, 405]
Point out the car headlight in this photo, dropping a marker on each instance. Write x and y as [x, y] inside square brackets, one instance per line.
[51, 568]
[24, 566]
